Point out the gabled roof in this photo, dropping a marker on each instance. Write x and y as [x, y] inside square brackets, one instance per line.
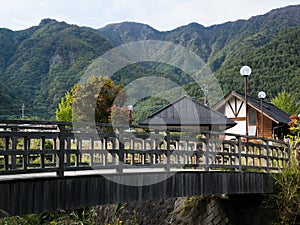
[187, 112]
[269, 110]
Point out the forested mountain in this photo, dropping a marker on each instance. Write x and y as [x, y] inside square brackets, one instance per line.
[126, 32]
[38, 65]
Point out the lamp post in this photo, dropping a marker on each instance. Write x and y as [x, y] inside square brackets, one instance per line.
[130, 108]
[245, 72]
[262, 95]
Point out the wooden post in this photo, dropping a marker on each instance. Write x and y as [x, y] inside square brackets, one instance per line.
[55, 157]
[42, 163]
[26, 155]
[207, 151]
[14, 144]
[78, 154]
[240, 152]
[61, 153]
[168, 149]
[120, 152]
[156, 143]
[92, 148]
[267, 148]
[68, 155]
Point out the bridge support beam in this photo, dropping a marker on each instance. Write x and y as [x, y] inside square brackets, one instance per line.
[18, 197]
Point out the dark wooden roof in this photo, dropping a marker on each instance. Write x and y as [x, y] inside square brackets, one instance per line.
[189, 113]
[269, 110]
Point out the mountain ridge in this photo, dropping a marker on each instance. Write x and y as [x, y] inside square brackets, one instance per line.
[39, 64]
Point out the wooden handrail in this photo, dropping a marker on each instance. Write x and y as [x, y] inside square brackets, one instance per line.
[35, 147]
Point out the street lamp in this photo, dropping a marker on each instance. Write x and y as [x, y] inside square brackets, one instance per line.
[262, 95]
[245, 72]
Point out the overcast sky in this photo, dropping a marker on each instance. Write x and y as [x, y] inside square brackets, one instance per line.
[160, 14]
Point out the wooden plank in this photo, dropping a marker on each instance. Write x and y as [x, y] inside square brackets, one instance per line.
[73, 192]
[38, 196]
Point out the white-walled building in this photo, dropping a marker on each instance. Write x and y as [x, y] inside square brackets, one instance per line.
[274, 119]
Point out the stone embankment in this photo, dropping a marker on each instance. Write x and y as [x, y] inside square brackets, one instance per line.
[234, 210]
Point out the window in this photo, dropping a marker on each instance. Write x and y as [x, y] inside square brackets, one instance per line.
[252, 117]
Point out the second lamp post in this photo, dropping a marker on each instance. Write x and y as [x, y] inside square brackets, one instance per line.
[245, 72]
[262, 96]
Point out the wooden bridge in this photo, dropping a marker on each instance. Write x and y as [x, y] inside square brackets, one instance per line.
[47, 166]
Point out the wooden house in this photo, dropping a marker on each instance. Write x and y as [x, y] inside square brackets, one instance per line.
[275, 121]
[189, 114]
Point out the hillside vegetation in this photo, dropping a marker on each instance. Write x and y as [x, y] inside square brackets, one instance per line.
[38, 65]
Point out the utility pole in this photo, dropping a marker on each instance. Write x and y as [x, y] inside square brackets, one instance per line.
[205, 92]
[23, 111]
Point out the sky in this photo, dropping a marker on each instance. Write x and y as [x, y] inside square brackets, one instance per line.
[162, 15]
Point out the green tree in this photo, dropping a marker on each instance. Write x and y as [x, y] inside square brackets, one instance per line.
[94, 100]
[286, 102]
[64, 110]
[295, 126]
[286, 197]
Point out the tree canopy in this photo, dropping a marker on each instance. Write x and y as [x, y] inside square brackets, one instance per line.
[92, 101]
[286, 102]
[64, 110]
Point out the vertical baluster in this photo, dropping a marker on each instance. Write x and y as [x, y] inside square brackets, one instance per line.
[105, 154]
[194, 157]
[92, 154]
[240, 153]
[26, 154]
[6, 157]
[120, 152]
[79, 148]
[140, 155]
[267, 149]
[68, 152]
[131, 155]
[54, 157]
[42, 149]
[206, 151]
[168, 149]
[14, 143]
[185, 149]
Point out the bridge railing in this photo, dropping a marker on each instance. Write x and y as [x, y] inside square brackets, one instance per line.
[35, 147]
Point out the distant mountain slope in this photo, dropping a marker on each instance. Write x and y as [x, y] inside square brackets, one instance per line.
[49, 61]
[120, 33]
[9, 41]
[210, 42]
[8, 102]
[38, 65]
[275, 65]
